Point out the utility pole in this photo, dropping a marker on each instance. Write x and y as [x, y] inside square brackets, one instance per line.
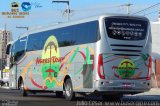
[128, 7]
[67, 10]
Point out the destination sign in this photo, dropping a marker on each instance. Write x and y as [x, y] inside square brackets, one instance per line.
[126, 29]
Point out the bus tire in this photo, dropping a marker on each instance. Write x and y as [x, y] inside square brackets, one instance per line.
[22, 90]
[68, 90]
[59, 94]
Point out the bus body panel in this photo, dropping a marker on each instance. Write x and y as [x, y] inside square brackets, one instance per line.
[13, 78]
[29, 68]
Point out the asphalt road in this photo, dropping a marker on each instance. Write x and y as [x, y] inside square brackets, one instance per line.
[13, 98]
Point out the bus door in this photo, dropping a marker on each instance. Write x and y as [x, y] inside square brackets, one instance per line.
[13, 69]
[17, 53]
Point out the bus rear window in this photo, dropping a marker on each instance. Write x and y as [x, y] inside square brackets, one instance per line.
[126, 28]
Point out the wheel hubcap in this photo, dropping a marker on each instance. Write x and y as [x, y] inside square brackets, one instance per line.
[21, 88]
[68, 90]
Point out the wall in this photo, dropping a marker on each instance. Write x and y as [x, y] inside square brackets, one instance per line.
[155, 29]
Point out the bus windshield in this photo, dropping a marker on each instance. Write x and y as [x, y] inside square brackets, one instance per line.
[126, 28]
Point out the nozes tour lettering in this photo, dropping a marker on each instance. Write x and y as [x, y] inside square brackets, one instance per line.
[52, 60]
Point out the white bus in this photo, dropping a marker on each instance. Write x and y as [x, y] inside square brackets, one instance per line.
[109, 55]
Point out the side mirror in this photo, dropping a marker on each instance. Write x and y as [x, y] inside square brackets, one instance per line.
[8, 49]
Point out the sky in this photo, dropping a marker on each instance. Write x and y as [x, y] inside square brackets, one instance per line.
[44, 12]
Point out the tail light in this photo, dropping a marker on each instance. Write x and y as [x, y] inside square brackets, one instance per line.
[149, 69]
[100, 67]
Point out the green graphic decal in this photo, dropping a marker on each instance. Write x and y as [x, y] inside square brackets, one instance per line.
[126, 68]
[51, 61]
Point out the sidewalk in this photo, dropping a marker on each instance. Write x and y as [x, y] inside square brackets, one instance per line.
[153, 91]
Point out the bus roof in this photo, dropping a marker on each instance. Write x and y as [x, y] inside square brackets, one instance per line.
[74, 22]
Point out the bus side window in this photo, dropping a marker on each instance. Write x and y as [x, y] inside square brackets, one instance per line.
[18, 50]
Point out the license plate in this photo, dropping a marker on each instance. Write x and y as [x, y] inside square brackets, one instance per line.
[127, 85]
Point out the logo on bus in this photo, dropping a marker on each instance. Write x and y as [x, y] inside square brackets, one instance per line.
[51, 59]
[125, 69]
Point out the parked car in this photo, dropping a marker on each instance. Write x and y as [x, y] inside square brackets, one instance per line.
[1, 82]
[4, 81]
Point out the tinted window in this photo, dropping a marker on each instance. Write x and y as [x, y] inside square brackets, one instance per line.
[126, 28]
[34, 42]
[18, 49]
[66, 36]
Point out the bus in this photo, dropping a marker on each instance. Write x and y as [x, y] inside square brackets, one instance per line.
[107, 55]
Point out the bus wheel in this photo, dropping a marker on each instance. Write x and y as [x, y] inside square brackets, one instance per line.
[22, 90]
[59, 94]
[68, 90]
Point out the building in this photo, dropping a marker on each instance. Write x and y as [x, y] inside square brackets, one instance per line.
[5, 37]
[155, 29]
